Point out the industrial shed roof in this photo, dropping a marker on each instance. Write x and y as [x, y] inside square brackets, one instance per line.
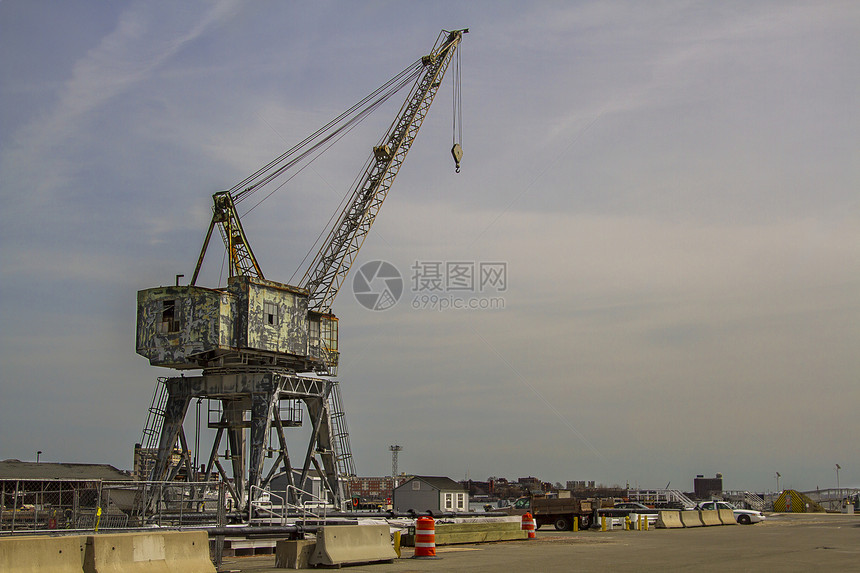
[438, 482]
[16, 469]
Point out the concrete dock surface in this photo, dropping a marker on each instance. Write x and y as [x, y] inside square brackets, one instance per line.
[785, 542]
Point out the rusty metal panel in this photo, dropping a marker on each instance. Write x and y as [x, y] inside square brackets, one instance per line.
[251, 321]
[176, 323]
[227, 327]
[272, 316]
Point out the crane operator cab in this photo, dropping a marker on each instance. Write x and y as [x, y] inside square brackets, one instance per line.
[251, 322]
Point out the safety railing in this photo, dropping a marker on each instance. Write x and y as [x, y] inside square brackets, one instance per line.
[304, 500]
[744, 499]
[834, 499]
[263, 508]
[658, 497]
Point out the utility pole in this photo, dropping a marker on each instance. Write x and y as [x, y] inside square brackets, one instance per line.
[394, 449]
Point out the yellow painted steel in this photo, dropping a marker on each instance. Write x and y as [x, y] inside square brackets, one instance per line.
[792, 501]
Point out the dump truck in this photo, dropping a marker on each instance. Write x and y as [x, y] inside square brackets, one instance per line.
[560, 512]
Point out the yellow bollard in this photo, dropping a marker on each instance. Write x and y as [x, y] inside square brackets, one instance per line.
[575, 523]
[645, 519]
[626, 523]
[397, 543]
[602, 523]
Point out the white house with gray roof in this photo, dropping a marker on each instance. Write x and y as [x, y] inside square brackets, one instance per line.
[436, 494]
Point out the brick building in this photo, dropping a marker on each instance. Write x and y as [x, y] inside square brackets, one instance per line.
[373, 489]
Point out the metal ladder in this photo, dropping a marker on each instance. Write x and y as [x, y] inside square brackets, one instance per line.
[152, 428]
[343, 452]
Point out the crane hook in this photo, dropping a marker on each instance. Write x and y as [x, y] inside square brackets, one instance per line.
[457, 152]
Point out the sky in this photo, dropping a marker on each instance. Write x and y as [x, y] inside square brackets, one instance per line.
[670, 189]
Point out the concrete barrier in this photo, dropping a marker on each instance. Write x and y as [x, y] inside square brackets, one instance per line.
[669, 519]
[42, 554]
[690, 518]
[343, 544]
[710, 517]
[727, 517]
[454, 533]
[294, 553]
[149, 552]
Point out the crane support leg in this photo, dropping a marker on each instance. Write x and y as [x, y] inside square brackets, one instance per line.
[262, 407]
[234, 411]
[174, 414]
[323, 442]
[257, 394]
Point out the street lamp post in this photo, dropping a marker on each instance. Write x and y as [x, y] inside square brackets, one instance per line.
[777, 482]
[838, 467]
[39, 454]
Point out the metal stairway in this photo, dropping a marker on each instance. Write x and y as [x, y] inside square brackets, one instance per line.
[343, 452]
[152, 431]
[744, 499]
[660, 497]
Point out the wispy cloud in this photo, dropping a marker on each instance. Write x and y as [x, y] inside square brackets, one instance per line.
[141, 42]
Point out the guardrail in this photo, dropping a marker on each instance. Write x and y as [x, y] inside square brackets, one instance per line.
[303, 509]
[268, 507]
[89, 505]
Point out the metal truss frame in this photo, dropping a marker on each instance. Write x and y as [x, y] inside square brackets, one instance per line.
[256, 393]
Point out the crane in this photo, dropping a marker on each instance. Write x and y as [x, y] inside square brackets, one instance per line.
[257, 340]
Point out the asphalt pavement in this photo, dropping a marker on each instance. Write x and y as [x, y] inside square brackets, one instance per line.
[785, 542]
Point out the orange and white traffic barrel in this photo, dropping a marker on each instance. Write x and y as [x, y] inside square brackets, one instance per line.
[425, 537]
[529, 524]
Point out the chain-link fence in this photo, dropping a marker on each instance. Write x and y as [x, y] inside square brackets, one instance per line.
[34, 505]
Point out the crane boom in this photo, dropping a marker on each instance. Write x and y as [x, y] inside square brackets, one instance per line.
[332, 263]
[242, 260]
[254, 339]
